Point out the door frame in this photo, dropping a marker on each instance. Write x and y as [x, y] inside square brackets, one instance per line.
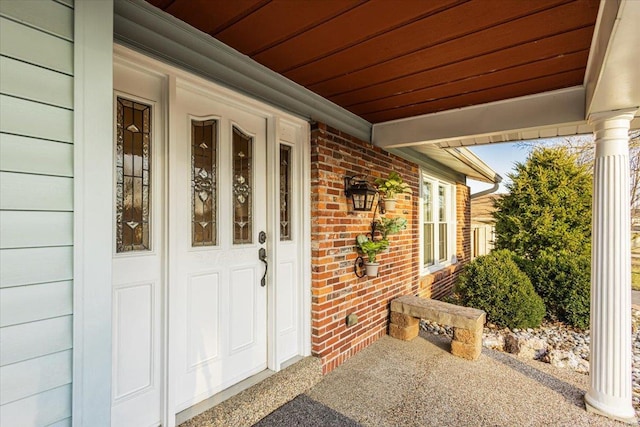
[275, 119]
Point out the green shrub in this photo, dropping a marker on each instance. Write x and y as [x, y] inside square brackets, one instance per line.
[563, 281]
[495, 284]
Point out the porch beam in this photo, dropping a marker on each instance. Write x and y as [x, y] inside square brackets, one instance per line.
[550, 110]
[139, 25]
[611, 79]
[610, 392]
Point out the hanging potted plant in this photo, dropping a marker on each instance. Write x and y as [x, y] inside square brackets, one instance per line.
[391, 186]
[371, 249]
[388, 226]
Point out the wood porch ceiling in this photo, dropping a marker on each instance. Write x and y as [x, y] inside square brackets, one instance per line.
[391, 59]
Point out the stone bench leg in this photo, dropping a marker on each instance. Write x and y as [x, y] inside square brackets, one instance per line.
[403, 326]
[466, 343]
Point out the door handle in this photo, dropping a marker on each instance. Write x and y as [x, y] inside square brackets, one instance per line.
[262, 254]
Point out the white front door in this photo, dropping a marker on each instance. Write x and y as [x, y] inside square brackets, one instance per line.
[200, 173]
[217, 211]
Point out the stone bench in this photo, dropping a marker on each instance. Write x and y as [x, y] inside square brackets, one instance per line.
[467, 322]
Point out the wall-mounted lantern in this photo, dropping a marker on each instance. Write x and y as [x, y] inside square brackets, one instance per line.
[361, 192]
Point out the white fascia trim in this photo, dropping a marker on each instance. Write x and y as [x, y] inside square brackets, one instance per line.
[148, 29]
[430, 166]
[470, 159]
[557, 108]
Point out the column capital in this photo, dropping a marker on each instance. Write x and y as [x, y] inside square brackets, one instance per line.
[624, 114]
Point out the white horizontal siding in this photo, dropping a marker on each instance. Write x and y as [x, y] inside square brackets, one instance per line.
[68, 3]
[23, 229]
[23, 304]
[35, 265]
[33, 376]
[29, 118]
[38, 156]
[32, 82]
[31, 340]
[39, 410]
[62, 423]
[35, 47]
[19, 191]
[36, 212]
[47, 16]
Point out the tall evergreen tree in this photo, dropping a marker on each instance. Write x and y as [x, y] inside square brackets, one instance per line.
[548, 206]
[546, 220]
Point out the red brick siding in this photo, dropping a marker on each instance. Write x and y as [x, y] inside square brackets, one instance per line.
[336, 291]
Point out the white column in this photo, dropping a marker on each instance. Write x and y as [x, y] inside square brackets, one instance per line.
[610, 375]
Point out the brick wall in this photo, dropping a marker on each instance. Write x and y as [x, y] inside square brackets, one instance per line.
[336, 290]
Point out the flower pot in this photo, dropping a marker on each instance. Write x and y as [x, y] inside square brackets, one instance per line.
[389, 204]
[371, 268]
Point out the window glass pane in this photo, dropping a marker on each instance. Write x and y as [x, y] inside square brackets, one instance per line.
[427, 244]
[204, 145]
[442, 242]
[285, 192]
[427, 202]
[242, 192]
[133, 175]
[442, 203]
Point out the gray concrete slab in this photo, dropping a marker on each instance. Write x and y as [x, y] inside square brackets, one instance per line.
[419, 383]
[635, 298]
[415, 383]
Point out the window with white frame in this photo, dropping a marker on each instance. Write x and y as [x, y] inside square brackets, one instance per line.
[438, 222]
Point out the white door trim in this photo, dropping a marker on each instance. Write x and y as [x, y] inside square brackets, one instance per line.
[93, 141]
[274, 119]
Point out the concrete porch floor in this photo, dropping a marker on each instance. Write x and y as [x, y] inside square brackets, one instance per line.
[417, 383]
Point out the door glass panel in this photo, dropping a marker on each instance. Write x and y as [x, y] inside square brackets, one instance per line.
[133, 175]
[204, 144]
[242, 191]
[285, 192]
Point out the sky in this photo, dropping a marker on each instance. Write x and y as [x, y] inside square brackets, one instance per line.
[501, 158]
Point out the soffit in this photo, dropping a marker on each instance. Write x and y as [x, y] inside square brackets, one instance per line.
[387, 60]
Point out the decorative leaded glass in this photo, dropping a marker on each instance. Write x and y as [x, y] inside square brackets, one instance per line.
[204, 143]
[133, 175]
[285, 192]
[242, 191]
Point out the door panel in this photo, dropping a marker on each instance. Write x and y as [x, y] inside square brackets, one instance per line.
[138, 249]
[218, 320]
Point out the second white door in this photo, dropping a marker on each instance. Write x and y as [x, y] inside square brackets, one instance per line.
[217, 187]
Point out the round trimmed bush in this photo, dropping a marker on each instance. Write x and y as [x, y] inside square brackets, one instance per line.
[495, 284]
[563, 281]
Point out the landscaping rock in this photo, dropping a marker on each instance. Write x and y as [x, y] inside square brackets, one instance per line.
[567, 359]
[511, 344]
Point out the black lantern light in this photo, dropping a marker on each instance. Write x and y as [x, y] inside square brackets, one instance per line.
[361, 192]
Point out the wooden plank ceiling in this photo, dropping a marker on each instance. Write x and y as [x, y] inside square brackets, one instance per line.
[391, 59]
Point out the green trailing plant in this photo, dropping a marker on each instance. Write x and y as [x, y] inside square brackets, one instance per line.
[494, 283]
[371, 248]
[392, 185]
[388, 226]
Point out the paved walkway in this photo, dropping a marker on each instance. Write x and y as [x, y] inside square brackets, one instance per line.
[418, 383]
[635, 298]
